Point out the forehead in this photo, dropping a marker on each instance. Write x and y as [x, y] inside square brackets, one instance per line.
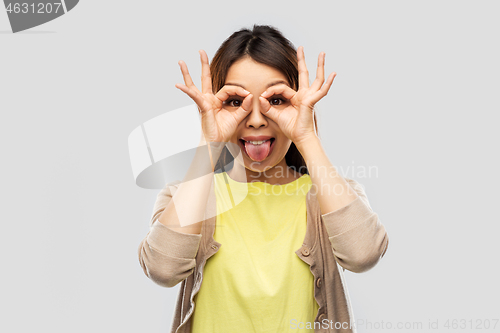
[247, 72]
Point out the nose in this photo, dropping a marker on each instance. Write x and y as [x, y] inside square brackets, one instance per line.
[256, 119]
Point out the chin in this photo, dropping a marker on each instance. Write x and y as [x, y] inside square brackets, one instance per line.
[259, 166]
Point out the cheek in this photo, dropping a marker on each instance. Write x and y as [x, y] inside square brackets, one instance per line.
[282, 146]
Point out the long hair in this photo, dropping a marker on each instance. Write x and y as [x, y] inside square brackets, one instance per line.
[267, 45]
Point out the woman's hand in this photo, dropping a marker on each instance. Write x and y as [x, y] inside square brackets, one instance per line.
[296, 119]
[218, 124]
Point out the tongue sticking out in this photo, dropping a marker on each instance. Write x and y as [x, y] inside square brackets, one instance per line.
[258, 152]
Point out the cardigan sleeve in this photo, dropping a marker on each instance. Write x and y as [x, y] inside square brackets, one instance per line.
[358, 238]
[167, 256]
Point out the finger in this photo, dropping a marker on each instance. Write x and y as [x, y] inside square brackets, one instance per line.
[320, 73]
[227, 91]
[303, 73]
[279, 89]
[195, 95]
[187, 77]
[206, 80]
[267, 110]
[244, 110]
[324, 90]
[264, 105]
[247, 103]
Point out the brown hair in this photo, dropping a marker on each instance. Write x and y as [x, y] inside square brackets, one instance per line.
[264, 44]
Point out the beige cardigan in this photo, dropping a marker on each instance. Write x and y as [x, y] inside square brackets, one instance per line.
[351, 238]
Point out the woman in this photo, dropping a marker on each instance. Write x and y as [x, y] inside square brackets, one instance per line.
[260, 247]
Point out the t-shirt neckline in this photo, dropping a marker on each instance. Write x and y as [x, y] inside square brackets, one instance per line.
[232, 182]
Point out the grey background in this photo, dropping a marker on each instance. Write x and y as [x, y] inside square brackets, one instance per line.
[415, 96]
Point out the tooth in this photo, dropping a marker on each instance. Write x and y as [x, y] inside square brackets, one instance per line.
[257, 142]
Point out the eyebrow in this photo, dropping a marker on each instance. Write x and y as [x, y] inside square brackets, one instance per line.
[269, 85]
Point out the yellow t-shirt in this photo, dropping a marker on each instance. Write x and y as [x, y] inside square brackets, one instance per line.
[256, 283]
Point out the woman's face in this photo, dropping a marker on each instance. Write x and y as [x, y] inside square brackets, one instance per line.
[256, 78]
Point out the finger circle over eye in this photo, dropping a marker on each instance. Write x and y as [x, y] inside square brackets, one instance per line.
[247, 102]
[264, 101]
[227, 91]
[281, 89]
[279, 99]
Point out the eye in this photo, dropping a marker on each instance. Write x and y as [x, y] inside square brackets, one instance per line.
[233, 102]
[277, 100]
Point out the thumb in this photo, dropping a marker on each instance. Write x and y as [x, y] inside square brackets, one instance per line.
[242, 111]
[240, 114]
[267, 110]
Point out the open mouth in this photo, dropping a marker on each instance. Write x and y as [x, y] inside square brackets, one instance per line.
[257, 150]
